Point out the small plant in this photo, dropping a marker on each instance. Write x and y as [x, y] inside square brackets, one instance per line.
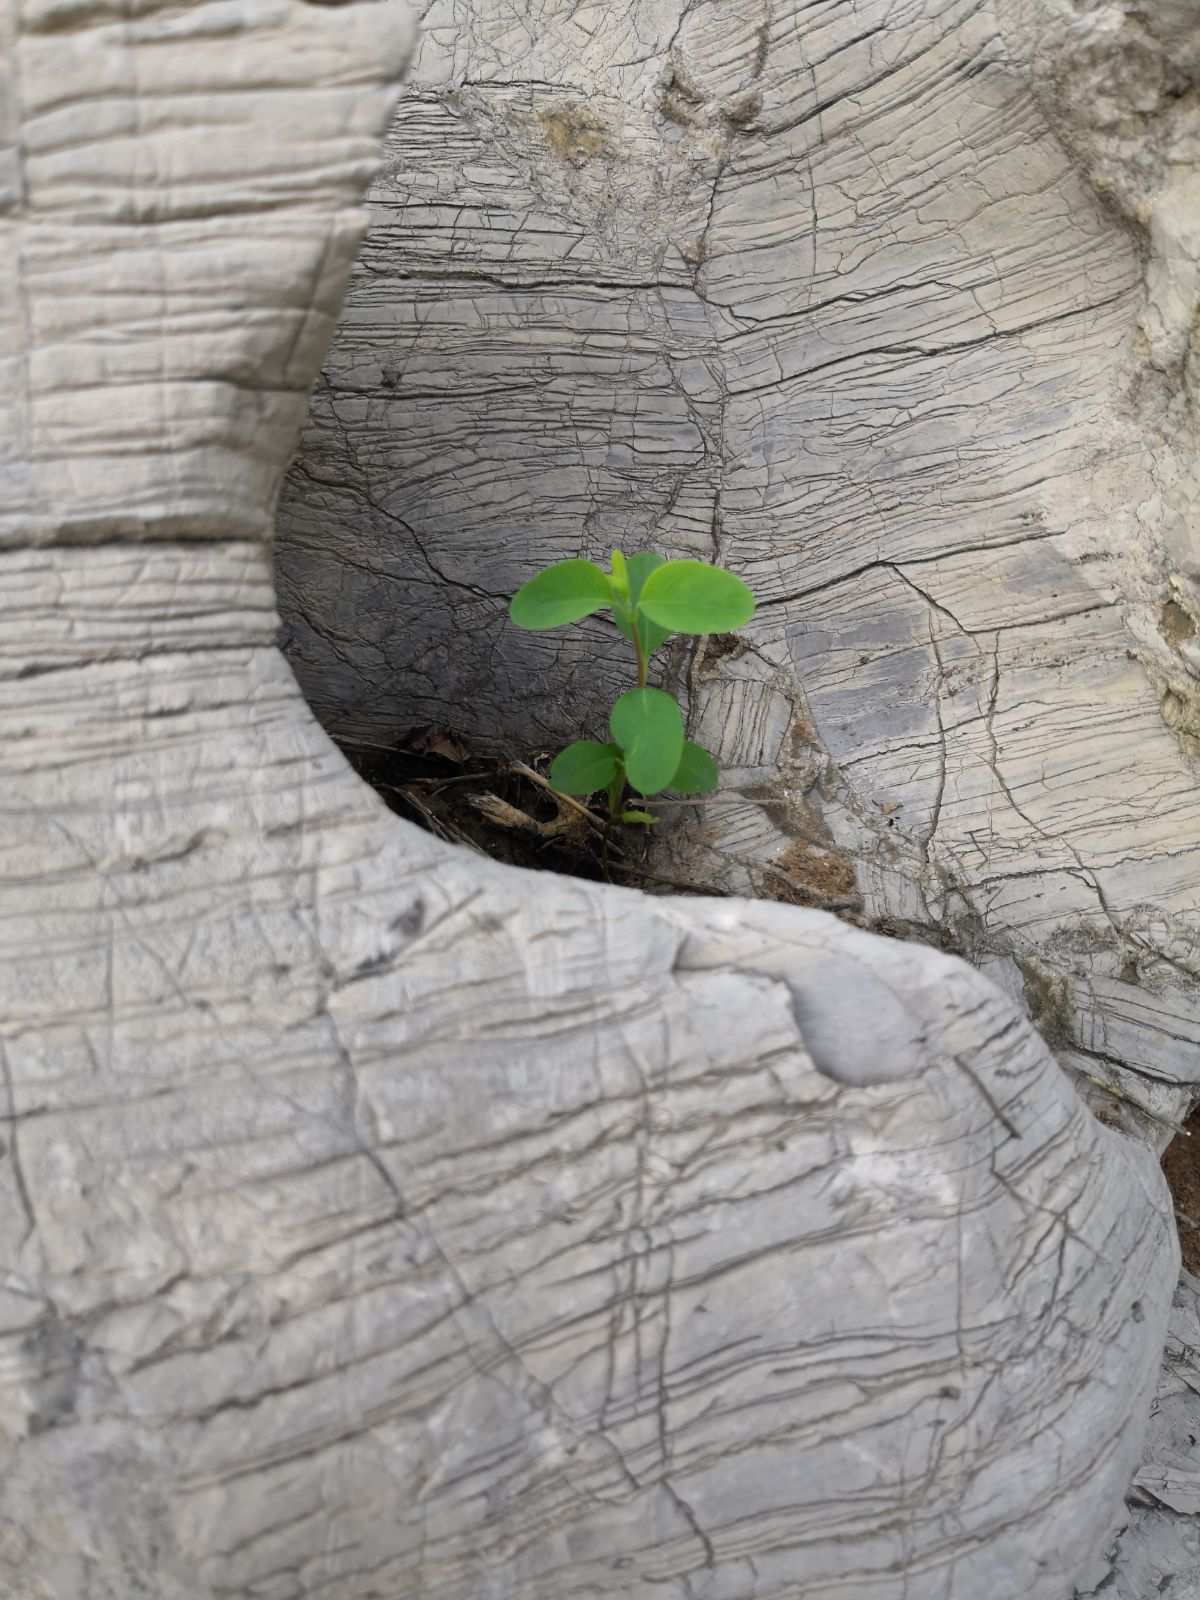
[650, 600]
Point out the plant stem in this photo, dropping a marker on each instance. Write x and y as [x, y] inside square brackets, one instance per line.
[616, 790]
[642, 663]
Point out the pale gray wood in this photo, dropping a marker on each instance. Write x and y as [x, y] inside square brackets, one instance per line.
[885, 306]
[378, 1220]
[1159, 1551]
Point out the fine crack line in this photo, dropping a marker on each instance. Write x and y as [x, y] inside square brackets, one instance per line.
[14, 1151]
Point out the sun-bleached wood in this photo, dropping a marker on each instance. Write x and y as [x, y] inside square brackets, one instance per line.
[1158, 1552]
[378, 1220]
[889, 308]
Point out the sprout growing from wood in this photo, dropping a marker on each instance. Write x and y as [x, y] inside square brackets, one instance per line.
[650, 599]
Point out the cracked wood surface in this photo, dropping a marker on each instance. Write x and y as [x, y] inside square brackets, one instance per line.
[378, 1220]
[849, 297]
[382, 1220]
[1158, 1553]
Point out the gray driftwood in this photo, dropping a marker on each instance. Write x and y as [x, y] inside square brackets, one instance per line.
[888, 307]
[377, 1221]
[1158, 1552]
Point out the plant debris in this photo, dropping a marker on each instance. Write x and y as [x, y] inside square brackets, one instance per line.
[502, 807]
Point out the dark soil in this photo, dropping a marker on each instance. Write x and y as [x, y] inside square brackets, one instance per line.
[506, 810]
[1181, 1163]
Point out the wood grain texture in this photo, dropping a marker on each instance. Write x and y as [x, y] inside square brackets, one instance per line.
[145, 139]
[1158, 1552]
[851, 298]
[377, 1220]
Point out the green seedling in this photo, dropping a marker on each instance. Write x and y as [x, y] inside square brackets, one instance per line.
[650, 599]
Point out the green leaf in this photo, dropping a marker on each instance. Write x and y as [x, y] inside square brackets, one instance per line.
[650, 633]
[584, 767]
[620, 578]
[639, 568]
[696, 772]
[643, 817]
[694, 597]
[562, 593]
[647, 726]
[622, 616]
